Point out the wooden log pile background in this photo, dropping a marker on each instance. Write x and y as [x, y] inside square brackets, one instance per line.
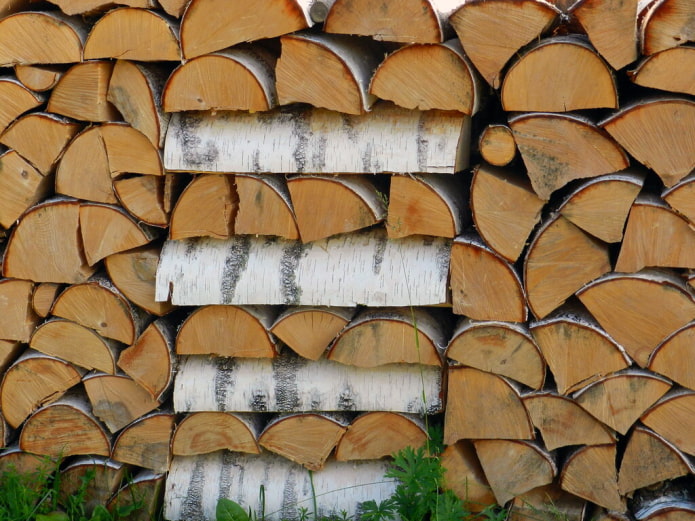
[246, 239]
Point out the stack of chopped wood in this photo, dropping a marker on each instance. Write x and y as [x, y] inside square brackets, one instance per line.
[242, 240]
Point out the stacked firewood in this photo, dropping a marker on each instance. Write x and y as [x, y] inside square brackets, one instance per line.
[242, 240]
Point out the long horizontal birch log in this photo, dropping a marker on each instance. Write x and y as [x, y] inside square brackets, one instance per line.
[319, 141]
[345, 270]
[289, 383]
[195, 483]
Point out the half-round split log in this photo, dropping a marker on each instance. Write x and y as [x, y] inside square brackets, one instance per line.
[265, 206]
[39, 78]
[102, 475]
[674, 357]
[21, 187]
[17, 317]
[146, 442]
[145, 197]
[465, 477]
[206, 208]
[681, 196]
[673, 417]
[143, 491]
[205, 432]
[667, 70]
[665, 24]
[589, 472]
[16, 99]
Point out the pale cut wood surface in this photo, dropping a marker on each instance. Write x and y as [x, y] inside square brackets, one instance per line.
[477, 23]
[195, 483]
[332, 71]
[291, 384]
[265, 206]
[206, 208]
[146, 442]
[43, 297]
[367, 268]
[681, 196]
[174, 8]
[502, 348]
[143, 197]
[562, 422]
[673, 357]
[464, 475]
[496, 144]
[39, 78]
[665, 24]
[672, 417]
[107, 476]
[549, 500]
[558, 148]
[16, 100]
[205, 432]
[580, 79]
[9, 352]
[624, 306]
[75, 7]
[505, 209]
[17, 317]
[144, 489]
[318, 141]
[429, 76]
[21, 187]
[669, 70]
[134, 34]
[590, 473]
[203, 82]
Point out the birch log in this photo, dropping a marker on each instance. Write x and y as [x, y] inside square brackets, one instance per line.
[195, 484]
[21, 186]
[364, 268]
[16, 99]
[388, 139]
[291, 384]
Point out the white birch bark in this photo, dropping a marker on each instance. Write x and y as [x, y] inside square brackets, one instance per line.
[318, 141]
[292, 384]
[195, 484]
[345, 270]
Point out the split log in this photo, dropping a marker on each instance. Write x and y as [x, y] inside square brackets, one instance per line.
[498, 413]
[513, 467]
[668, 501]
[74, 7]
[589, 472]
[305, 438]
[465, 477]
[12, 458]
[65, 428]
[8, 7]
[40, 138]
[238, 78]
[128, 33]
[143, 197]
[389, 336]
[62, 38]
[231, 331]
[657, 132]
[505, 209]
[600, 205]
[547, 502]
[135, 89]
[426, 76]
[145, 489]
[206, 208]
[496, 144]
[98, 305]
[680, 197]
[426, 205]
[310, 330]
[484, 286]
[205, 432]
[345, 204]
[150, 360]
[9, 351]
[624, 306]
[17, 318]
[76, 344]
[16, 100]
[50, 227]
[672, 357]
[560, 259]
[558, 148]
[500, 348]
[374, 435]
[265, 207]
[103, 477]
[673, 418]
[39, 78]
[291, 384]
[665, 24]
[649, 459]
[332, 71]
[133, 273]
[319, 141]
[477, 23]
[576, 349]
[117, 400]
[562, 422]
[580, 78]
[206, 27]
[146, 442]
[43, 297]
[612, 28]
[651, 232]
[129, 151]
[124, 232]
[404, 272]
[666, 70]
[81, 93]
[174, 8]
[619, 399]
[195, 483]
[21, 186]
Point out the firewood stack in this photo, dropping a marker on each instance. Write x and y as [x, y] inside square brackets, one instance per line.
[246, 239]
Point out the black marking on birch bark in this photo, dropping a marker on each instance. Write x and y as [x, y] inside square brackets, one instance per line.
[197, 154]
[346, 399]
[443, 257]
[318, 156]
[423, 144]
[257, 161]
[191, 246]
[224, 380]
[367, 158]
[289, 496]
[234, 264]
[379, 251]
[301, 131]
[285, 378]
[259, 400]
[291, 255]
[229, 469]
[192, 505]
[350, 131]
